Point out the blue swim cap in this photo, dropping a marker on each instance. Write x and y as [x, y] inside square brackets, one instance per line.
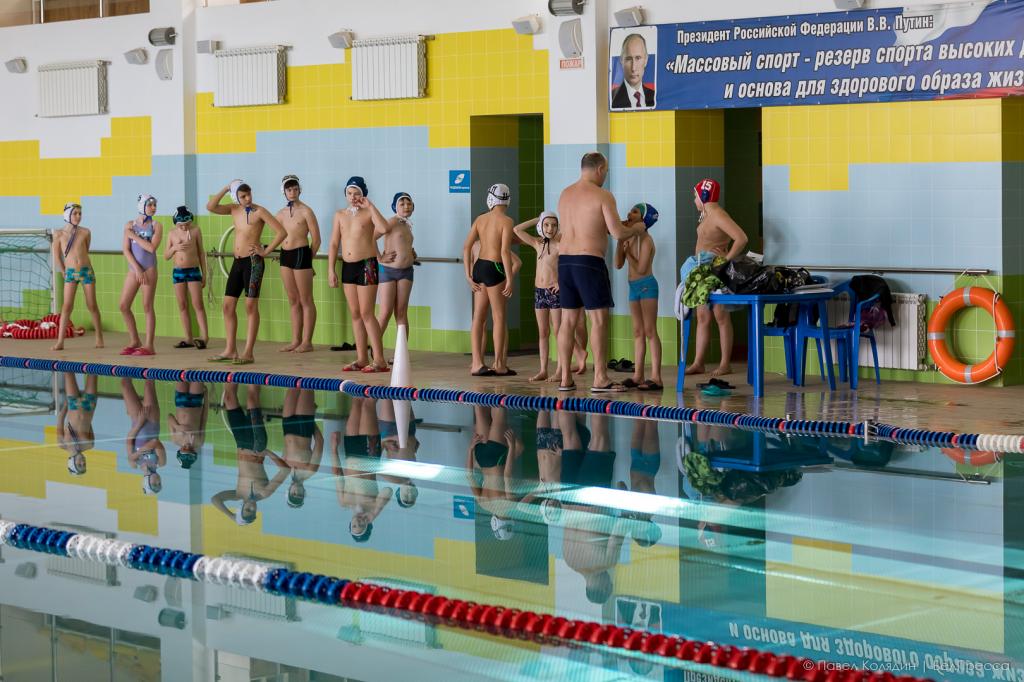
[648, 213]
[360, 184]
[399, 195]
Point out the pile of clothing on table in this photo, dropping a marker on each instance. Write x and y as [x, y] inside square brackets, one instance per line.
[708, 274]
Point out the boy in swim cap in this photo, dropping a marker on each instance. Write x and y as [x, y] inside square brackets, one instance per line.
[141, 239]
[717, 235]
[74, 421]
[70, 254]
[545, 281]
[490, 280]
[187, 424]
[185, 245]
[638, 251]
[297, 251]
[353, 237]
[247, 268]
[399, 255]
[303, 442]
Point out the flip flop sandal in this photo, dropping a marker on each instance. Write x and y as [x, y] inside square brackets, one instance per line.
[242, 361]
[506, 373]
[612, 387]
[715, 381]
[139, 352]
[185, 344]
[353, 367]
[370, 369]
[650, 386]
[128, 350]
[344, 346]
[613, 364]
[220, 358]
[629, 383]
[483, 372]
[199, 344]
[715, 391]
[626, 365]
[565, 389]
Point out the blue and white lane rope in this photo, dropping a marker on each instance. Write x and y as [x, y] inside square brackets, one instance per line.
[863, 430]
[496, 620]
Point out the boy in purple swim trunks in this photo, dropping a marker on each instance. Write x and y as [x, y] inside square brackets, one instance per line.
[638, 251]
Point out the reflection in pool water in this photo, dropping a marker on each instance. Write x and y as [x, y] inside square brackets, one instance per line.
[831, 548]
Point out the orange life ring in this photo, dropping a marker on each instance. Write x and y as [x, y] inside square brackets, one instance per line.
[947, 363]
[971, 458]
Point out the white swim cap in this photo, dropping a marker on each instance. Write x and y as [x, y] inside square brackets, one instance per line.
[503, 529]
[289, 180]
[68, 208]
[235, 184]
[498, 195]
[144, 199]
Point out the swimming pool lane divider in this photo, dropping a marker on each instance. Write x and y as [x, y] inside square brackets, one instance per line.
[436, 609]
[804, 427]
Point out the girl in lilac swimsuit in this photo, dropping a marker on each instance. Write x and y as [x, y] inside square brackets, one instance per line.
[141, 238]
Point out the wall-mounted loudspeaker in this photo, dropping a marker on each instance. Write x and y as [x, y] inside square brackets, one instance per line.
[570, 38]
[207, 46]
[342, 39]
[137, 56]
[164, 64]
[527, 25]
[631, 16]
[160, 37]
[16, 65]
[566, 8]
[849, 4]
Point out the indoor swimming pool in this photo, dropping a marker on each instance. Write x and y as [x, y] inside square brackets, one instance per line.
[897, 558]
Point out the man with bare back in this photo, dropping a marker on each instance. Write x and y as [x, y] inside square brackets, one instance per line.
[247, 269]
[588, 215]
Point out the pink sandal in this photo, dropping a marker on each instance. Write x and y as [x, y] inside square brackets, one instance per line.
[370, 369]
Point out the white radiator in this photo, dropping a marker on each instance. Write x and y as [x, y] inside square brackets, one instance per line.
[248, 76]
[899, 347]
[73, 89]
[389, 68]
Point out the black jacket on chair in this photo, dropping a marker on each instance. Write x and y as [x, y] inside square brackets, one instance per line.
[866, 286]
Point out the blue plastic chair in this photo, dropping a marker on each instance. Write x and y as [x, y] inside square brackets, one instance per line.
[788, 335]
[849, 335]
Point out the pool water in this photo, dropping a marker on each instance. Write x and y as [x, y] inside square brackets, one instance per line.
[886, 557]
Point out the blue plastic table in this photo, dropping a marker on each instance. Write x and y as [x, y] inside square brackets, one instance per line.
[755, 344]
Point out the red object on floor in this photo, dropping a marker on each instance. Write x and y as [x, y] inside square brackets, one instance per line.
[46, 328]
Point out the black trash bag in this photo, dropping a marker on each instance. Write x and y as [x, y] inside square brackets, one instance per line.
[791, 278]
[744, 275]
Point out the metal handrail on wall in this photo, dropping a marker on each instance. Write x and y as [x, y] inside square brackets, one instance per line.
[874, 269]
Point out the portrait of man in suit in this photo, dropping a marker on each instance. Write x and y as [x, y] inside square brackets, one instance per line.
[632, 92]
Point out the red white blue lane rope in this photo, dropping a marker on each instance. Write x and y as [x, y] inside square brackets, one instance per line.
[496, 620]
[809, 427]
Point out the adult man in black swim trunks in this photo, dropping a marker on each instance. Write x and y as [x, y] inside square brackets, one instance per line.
[489, 280]
[588, 214]
[247, 269]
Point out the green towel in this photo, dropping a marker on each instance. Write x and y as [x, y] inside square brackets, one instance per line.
[699, 284]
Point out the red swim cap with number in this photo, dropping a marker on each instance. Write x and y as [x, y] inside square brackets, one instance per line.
[707, 190]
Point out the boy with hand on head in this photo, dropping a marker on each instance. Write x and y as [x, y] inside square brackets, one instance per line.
[638, 251]
[141, 239]
[247, 269]
[353, 237]
[70, 254]
[185, 245]
[490, 280]
[717, 235]
[396, 277]
[297, 253]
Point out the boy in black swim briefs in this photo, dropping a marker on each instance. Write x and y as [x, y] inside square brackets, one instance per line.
[297, 251]
[185, 245]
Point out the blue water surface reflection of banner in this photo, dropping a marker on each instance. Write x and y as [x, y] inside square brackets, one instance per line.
[971, 49]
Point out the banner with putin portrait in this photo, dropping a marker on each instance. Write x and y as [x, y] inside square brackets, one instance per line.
[939, 51]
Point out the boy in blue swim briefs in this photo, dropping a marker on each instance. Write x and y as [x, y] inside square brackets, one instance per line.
[638, 252]
[70, 252]
[185, 245]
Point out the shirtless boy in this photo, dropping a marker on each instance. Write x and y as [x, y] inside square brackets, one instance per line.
[302, 242]
[70, 251]
[185, 245]
[490, 280]
[247, 269]
[353, 238]
[396, 276]
[717, 235]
